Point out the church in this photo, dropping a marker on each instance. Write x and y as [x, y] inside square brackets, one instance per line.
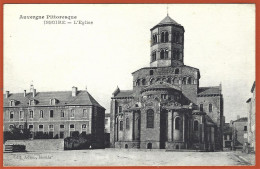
[167, 109]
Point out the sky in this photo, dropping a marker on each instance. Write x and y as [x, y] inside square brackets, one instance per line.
[219, 40]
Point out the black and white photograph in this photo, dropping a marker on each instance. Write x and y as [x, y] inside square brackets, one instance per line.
[129, 85]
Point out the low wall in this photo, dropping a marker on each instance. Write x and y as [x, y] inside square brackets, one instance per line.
[39, 144]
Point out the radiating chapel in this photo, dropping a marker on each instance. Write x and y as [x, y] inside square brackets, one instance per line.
[167, 109]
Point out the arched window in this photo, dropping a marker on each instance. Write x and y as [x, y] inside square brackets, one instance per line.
[143, 82]
[196, 125]
[162, 54]
[72, 113]
[184, 80]
[127, 123]
[201, 107]
[166, 36]
[162, 37]
[169, 80]
[154, 39]
[121, 126]
[189, 80]
[154, 56]
[176, 81]
[166, 54]
[210, 107]
[41, 113]
[176, 71]
[150, 119]
[138, 82]
[177, 123]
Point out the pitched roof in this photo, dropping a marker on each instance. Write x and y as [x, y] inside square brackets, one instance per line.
[168, 20]
[242, 119]
[124, 93]
[204, 91]
[43, 98]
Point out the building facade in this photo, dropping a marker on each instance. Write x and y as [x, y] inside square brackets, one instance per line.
[58, 114]
[251, 119]
[239, 132]
[167, 108]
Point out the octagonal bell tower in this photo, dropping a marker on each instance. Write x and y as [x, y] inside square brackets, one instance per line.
[167, 45]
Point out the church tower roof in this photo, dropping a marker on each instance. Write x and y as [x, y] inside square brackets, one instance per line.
[168, 20]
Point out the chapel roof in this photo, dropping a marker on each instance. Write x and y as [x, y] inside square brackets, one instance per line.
[124, 94]
[205, 91]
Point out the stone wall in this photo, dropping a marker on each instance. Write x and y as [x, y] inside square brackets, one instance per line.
[39, 145]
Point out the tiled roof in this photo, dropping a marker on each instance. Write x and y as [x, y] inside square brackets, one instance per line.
[168, 20]
[203, 91]
[242, 119]
[124, 93]
[161, 85]
[43, 98]
[164, 67]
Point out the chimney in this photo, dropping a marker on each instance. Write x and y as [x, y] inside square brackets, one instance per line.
[238, 117]
[74, 91]
[34, 92]
[24, 93]
[6, 94]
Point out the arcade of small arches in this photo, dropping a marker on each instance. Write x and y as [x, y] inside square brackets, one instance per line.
[170, 80]
[164, 54]
[164, 37]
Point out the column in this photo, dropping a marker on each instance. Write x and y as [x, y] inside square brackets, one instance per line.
[183, 124]
[170, 126]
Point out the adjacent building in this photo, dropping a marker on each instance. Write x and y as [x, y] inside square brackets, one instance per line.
[227, 137]
[167, 108]
[239, 132]
[58, 114]
[251, 119]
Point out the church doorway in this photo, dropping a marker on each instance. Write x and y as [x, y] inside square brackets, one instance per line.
[149, 146]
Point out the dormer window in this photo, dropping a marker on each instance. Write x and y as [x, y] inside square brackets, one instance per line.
[53, 101]
[12, 103]
[32, 102]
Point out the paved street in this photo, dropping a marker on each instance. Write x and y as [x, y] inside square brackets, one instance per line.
[123, 157]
